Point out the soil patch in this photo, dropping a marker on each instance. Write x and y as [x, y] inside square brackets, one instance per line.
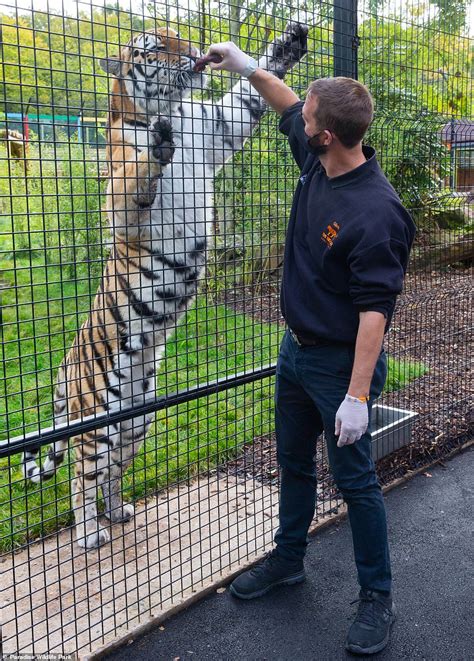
[432, 324]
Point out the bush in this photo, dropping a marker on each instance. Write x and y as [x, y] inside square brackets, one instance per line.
[411, 154]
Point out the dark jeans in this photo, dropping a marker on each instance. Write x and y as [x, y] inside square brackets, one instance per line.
[311, 383]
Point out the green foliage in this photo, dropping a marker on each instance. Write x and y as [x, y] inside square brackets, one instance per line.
[410, 66]
[411, 153]
[65, 52]
[401, 372]
[55, 210]
[452, 13]
[419, 77]
[79, 212]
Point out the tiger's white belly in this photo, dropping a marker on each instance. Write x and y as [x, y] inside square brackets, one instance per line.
[180, 231]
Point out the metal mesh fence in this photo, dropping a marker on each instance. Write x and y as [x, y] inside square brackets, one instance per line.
[196, 307]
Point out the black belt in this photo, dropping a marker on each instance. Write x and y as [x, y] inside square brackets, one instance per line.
[305, 341]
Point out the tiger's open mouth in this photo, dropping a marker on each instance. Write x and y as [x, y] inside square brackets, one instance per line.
[184, 78]
[188, 77]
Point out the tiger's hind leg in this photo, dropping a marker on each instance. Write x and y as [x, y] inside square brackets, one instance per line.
[115, 509]
[132, 433]
[92, 470]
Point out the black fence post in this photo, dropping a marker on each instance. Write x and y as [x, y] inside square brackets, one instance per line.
[452, 156]
[3, 85]
[346, 40]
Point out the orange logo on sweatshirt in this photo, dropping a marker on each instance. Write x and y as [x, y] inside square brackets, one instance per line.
[330, 235]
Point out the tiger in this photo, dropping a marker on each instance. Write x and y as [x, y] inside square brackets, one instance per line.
[164, 150]
[17, 147]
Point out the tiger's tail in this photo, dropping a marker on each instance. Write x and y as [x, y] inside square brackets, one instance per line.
[57, 450]
[55, 457]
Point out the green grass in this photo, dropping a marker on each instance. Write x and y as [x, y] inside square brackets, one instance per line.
[185, 440]
[55, 211]
[401, 372]
[48, 280]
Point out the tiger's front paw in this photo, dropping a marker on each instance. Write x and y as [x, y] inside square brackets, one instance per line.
[288, 49]
[162, 146]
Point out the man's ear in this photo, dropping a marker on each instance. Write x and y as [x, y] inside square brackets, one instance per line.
[111, 65]
[331, 135]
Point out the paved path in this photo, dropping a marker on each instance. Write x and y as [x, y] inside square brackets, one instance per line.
[431, 530]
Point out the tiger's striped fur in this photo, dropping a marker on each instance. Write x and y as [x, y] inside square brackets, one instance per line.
[163, 154]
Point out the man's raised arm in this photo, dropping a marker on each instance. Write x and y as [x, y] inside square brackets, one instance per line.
[275, 92]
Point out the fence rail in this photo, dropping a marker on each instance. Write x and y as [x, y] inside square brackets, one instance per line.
[59, 432]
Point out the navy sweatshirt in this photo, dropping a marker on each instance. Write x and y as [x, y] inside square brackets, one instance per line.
[347, 244]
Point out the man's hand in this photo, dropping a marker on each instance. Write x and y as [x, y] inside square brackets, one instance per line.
[233, 59]
[281, 55]
[352, 420]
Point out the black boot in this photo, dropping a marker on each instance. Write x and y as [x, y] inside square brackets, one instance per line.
[273, 571]
[370, 631]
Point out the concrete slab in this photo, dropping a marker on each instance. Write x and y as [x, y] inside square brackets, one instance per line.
[58, 598]
[431, 529]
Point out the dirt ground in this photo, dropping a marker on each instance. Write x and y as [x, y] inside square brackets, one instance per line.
[433, 324]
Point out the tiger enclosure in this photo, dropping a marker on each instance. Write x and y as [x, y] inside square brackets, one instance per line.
[144, 203]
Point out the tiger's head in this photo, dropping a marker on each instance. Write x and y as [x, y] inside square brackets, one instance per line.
[155, 69]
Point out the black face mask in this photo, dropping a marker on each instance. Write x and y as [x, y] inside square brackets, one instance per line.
[315, 149]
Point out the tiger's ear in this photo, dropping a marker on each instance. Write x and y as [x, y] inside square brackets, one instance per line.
[111, 65]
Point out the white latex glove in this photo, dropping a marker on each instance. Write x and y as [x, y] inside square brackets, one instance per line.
[233, 59]
[352, 420]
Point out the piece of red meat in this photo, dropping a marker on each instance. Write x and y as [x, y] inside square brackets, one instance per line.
[202, 62]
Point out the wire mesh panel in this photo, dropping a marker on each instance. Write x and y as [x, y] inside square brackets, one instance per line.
[144, 205]
[417, 60]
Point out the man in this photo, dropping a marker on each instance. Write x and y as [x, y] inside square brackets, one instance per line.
[346, 254]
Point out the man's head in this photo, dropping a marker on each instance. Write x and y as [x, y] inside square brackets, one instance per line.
[337, 109]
